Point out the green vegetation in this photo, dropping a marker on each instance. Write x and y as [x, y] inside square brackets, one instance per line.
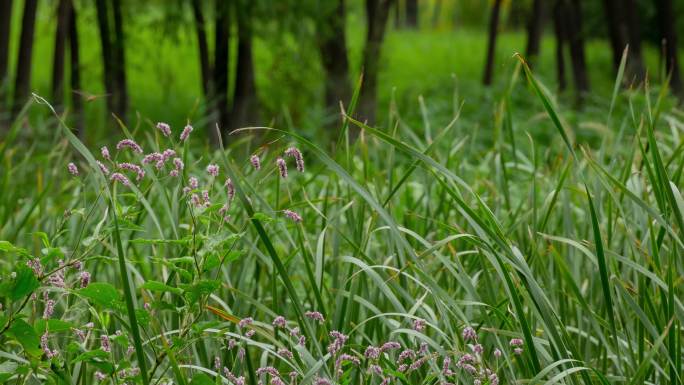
[565, 246]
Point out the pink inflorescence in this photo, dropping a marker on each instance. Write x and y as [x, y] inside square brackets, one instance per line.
[164, 128]
[419, 325]
[279, 322]
[121, 178]
[297, 155]
[314, 315]
[73, 170]
[105, 153]
[153, 157]
[213, 170]
[292, 215]
[44, 345]
[245, 322]
[230, 189]
[256, 162]
[282, 167]
[140, 173]
[337, 343]
[129, 143]
[186, 133]
[85, 278]
[102, 167]
[469, 333]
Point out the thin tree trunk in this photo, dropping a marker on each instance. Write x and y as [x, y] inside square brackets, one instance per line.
[491, 43]
[107, 56]
[669, 38]
[412, 13]
[636, 62]
[221, 55]
[436, 12]
[63, 14]
[576, 40]
[205, 65]
[559, 30]
[245, 103]
[120, 62]
[22, 85]
[332, 45]
[616, 29]
[377, 12]
[535, 26]
[5, 23]
[74, 51]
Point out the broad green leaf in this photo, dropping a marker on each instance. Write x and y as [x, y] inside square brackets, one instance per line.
[159, 286]
[26, 336]
[102, 294]
[24, 283]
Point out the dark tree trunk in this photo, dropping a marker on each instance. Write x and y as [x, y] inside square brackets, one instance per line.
[559, 27]
[616, 29]
[332, 44]
[635, 60]
[120, 62]
[221, 54]
[75, 73]
[377, 12]
[669, 39]
[63, 14]
[5, 22]
[22, 85]
[245, 109]
[576, 40]
[107, 56]
[491, 43]
[535, 27]
[205, 65]
[412, 13]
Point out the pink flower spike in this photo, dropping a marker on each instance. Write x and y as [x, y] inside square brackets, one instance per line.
[516, 342]
[105, 153]
[129, 143]
[193, 182]
[213, 170]
[256, 162]
[102, 167]
[230, 189]
[282, 167]
[297, 155]
[314, 315]
[73, 170]
[121, 178]
[292, 215]
[186, 133]
[164, 128]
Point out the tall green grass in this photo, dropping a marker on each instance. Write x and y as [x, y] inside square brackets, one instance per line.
[571, 242]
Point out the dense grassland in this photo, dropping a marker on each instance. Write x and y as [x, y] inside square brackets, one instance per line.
[544, 249]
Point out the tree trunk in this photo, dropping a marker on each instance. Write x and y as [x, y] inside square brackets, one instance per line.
[576, 40]
[120, 62]
[221, 55]
[22, 85]
[535, 26]
[63, 14]
[107, 56]
[332, 44]
[74, 52]
[412, 13]
[559, 30]
[377, 12]
[205, 66]
[491, 44]
[669, 39]
[616, 29]
[5, 22]
[635, 60]
[245, 111]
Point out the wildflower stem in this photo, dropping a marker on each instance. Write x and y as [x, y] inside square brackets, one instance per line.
[129, 300]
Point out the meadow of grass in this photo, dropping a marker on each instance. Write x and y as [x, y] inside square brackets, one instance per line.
[545, 248]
